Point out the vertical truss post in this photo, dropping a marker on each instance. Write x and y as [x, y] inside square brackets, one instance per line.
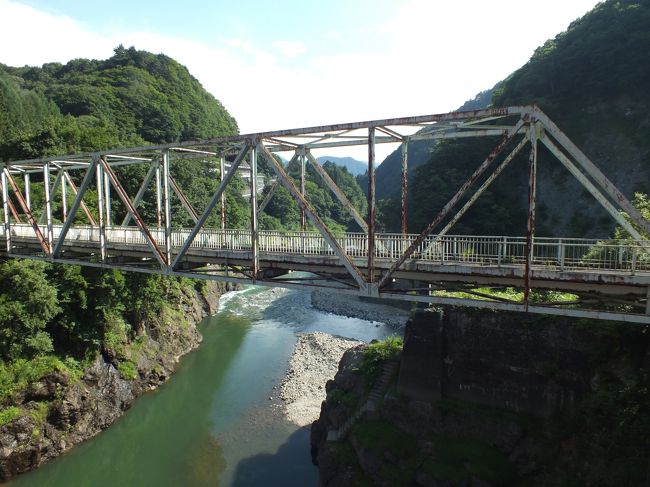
[100, 212]
[158, 197]
[404, 206]
[532, 195]
[167, 205]
[222, 197]
[5, 211]
[303, 217]
[253, 203]
[64, 198]
[107, 200]
[48, 206]
[28, 195]
[371, 204]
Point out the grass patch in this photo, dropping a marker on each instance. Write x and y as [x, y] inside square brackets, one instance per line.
[127, 370]
[7, 415]
[511, 294]
[18, 374]
[377, 353]
[338, 396]
[458, 459]
[379, 436]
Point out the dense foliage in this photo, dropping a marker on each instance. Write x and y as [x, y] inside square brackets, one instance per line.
[592, 81]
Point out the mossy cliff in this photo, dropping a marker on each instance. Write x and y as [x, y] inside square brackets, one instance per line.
[486, 398]
[64, 407]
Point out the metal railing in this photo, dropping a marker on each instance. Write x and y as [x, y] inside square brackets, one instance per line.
[563, 254]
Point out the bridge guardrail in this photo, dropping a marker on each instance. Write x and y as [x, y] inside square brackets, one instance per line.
[564, 254]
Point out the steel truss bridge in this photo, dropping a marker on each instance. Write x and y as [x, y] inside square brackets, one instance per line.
[610, 278]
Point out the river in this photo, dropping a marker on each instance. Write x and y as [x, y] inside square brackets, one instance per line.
[217, 421]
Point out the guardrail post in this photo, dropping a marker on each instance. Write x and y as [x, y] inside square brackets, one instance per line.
[634, 253]
[560, 254]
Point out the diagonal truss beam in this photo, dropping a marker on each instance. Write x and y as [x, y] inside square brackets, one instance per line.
[140, 194]
[284, 179]
[486, 184]
[606, 185]
[134, 213]
[77, 203]
[14, 212]
[185, 202]
[45, 245]
[340, 195]
[595, 192]
[76, 191]
[269, 196]
[506, 139]
[216, 197]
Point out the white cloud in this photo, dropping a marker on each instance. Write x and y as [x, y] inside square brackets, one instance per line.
[428, 57]
[289, 49]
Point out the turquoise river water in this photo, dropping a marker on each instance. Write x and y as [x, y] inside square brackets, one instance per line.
[213, 424]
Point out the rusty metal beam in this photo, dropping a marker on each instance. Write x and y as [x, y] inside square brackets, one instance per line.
[371, 205]
[30, 217]
[222, 197]
[486, 184]
[532, 198]
[121, 193]
[14, 213]
[269, 196]
[313, 216]
[405, 191]
[508, 136]
[5, 210]
[185, 202]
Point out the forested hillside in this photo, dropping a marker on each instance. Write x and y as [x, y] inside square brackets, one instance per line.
[60, 318]
[592, 81]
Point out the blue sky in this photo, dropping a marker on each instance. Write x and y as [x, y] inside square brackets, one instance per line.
[287, 64]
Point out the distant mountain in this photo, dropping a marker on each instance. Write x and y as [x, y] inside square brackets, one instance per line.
[353, 166]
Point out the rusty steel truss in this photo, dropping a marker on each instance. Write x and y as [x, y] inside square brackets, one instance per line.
[376, 272]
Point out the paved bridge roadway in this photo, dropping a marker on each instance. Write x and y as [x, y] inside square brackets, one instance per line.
[610, 279]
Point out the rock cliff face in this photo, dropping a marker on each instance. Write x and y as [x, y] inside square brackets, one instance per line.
[487, 398]
[80, 409]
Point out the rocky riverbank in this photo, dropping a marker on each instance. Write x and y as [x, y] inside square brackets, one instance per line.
[63, 411]
[495, 398]
[315, 360]
[355, 307]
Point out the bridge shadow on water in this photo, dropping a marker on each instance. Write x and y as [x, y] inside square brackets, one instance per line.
[289, 466]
